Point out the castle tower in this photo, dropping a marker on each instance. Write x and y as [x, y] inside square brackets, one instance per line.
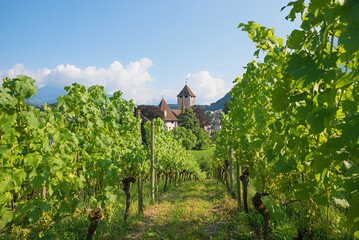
[187, 97]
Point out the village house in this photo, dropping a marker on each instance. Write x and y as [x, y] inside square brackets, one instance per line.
[185, 99]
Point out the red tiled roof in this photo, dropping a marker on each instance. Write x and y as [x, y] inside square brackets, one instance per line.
[186, 91]
[176, 112]
[169, 116]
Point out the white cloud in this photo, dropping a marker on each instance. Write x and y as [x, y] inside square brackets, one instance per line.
[132, 80]
[18, 69]
[169, 95]
[206, 88]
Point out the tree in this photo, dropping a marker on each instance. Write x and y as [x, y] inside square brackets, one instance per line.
[226, 106]
[214, 136]
[203, 140]
[187, 137]
[150, 112]
[188, 119]
[201, 116]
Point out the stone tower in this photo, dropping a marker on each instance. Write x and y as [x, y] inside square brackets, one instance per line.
[186, 97]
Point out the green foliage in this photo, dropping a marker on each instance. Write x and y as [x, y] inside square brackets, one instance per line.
[190, 132]
[294, 117]
[96, 144]
[188, 120]
[186, 136]
[214, 135]
[204, 159]
[203, 140]
[226, 106]
[91, 151]
[173, 157]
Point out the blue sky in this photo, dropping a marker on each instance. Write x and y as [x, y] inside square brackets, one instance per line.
[147, 49]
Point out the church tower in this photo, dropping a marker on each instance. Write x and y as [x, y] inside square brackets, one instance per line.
[186, 97]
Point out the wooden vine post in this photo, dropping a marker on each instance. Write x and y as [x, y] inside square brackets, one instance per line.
[245, 180]
[139, 182]
[165, 187]
[175, 178]
[239, 186]
[231, 171]
[152, 161]
[158, 175]
[226, 173]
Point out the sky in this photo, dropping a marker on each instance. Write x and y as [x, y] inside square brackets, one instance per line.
[146, 49]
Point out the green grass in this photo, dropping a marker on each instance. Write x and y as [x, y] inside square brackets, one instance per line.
[204, 158]
[111, 227]
[198, 154]
[190, 210]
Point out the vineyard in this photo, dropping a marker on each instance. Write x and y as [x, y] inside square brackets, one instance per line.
[287, 151]
[294, 122]
[96, 152]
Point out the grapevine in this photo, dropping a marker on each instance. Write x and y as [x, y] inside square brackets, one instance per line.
[96, 149]
[294, 117]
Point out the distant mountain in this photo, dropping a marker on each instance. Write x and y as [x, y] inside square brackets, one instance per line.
[50, 94]
[219, 104]
[212, 107]
[46, 95]
[172, 106]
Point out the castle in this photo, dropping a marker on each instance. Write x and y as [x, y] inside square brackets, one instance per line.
[185, 99]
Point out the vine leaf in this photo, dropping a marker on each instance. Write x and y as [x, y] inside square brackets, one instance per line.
[350, 106]
[353, 215]
[316, 119]
[296, 39]
[280, 99]
[304, 69]
[298, 7]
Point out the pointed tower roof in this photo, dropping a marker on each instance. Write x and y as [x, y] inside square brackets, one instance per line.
[169, 116]
[186, 91]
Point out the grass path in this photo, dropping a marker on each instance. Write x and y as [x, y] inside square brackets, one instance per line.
[192, 210]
